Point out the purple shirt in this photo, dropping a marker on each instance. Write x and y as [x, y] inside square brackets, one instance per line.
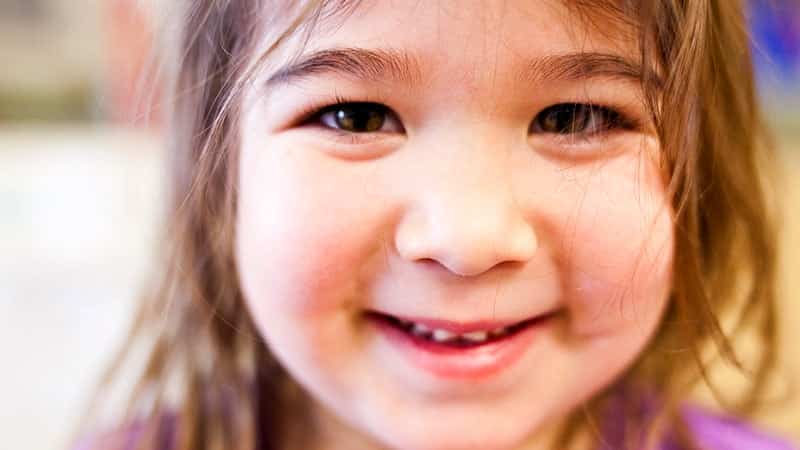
[713, 432]
[718, 432]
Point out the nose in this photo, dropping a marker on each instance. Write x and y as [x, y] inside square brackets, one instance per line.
[468, 224]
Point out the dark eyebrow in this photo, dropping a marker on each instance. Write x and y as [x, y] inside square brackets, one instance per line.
[394, 65]
[359, 63]
[583, 65]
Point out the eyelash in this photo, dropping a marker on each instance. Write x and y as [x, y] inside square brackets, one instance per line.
[312, 111]
[615, 120]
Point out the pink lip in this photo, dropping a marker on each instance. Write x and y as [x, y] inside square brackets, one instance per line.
[465, 363]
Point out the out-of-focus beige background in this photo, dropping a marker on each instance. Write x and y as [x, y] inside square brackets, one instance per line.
[81, 191]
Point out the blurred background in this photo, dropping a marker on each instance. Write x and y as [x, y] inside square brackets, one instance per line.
[82, 191]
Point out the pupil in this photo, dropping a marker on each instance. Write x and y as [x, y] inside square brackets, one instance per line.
[567, 119]
[359, 119]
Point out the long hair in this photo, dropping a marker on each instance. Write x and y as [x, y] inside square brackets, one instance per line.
[203, 353]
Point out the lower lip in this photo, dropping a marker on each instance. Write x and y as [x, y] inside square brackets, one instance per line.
[471, 363]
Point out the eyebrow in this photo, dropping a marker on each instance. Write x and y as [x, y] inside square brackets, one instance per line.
[402, 67]
[358, 63]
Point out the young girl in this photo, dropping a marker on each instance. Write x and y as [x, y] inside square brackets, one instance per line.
[456, 225]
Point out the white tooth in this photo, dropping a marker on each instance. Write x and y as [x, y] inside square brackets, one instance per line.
[476, 336]
[442, 335]
[498, 331]
[420, 330]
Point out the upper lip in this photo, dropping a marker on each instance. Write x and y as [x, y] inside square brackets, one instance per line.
[461, 327]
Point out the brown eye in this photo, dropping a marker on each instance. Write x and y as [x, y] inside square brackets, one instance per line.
[356, 117]
[575, 118]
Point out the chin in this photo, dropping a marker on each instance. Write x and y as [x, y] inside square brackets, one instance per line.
[451, 440]
[452, 436]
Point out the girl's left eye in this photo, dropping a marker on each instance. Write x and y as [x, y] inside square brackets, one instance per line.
[578, 119]
[359, 117]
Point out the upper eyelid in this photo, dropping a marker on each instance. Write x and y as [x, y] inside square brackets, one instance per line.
[312, 113]
[624, 120]
[333, 106]
[319, 112]
[315, 110]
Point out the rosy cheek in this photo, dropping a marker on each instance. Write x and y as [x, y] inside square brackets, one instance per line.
[303, 278]
[621, 285]
[309, 253]
[615, 237]
[298, 241]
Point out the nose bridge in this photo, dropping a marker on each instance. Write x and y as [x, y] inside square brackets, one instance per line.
[465, 216]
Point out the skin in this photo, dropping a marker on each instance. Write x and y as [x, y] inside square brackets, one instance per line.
[459, 213]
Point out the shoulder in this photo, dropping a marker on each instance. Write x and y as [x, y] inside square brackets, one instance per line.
[720, 432]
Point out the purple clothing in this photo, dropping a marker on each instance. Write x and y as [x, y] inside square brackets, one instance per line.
[718, 432]
[713, 432]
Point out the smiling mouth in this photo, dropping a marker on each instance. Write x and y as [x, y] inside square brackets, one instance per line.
[444, 334]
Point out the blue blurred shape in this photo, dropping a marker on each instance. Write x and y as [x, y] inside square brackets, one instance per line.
[775, 25]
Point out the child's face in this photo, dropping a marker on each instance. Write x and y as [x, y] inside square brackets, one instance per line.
[468, 202]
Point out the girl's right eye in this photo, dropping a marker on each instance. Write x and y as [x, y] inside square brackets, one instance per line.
[359, 117]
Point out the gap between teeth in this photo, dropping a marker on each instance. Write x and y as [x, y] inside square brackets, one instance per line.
[448, 336]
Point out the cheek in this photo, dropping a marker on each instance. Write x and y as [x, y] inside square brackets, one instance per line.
[616, 252]
[297, 241]
[292, 256]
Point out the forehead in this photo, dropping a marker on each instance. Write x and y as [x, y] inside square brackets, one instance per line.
[464, 40]
[474, 28]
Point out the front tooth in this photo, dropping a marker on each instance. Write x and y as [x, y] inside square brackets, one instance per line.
[476, 336]
[420, 330]
[442, 335]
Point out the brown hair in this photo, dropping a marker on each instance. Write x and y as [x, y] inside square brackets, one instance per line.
[203, 353]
